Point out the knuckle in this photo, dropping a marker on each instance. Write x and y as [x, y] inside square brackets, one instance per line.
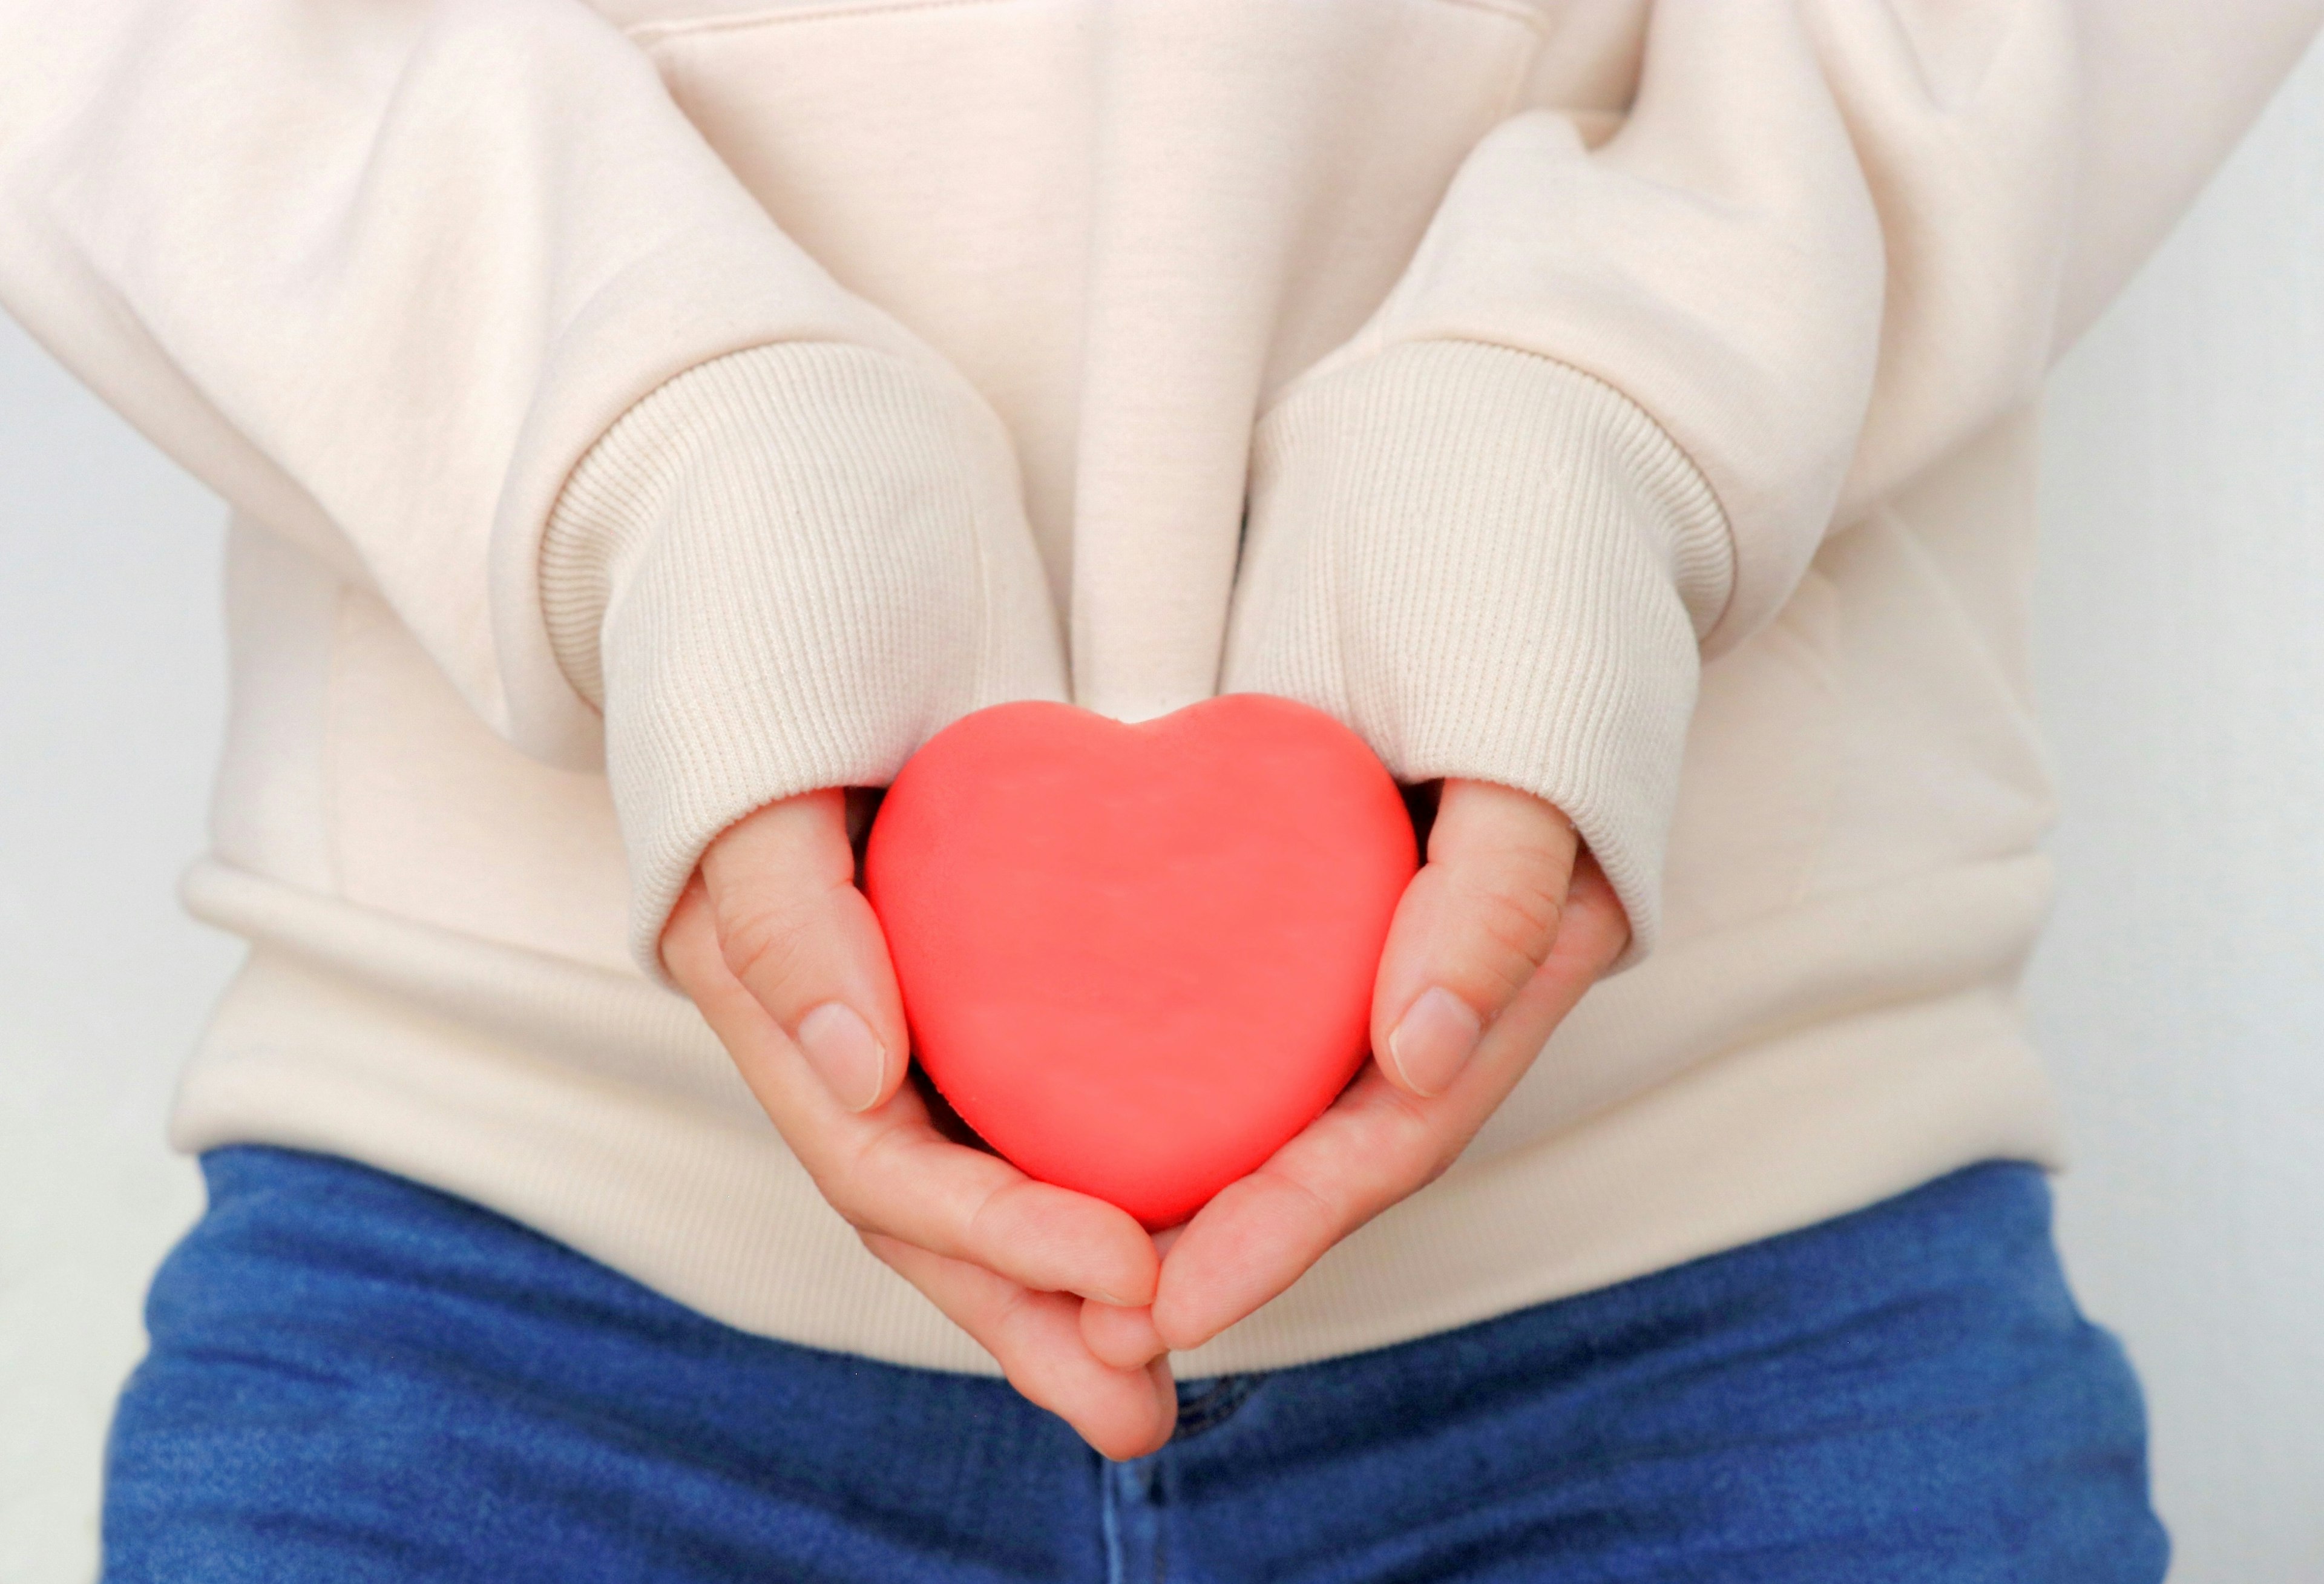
[1405, 1140]
[854, 1176]
[758, 942]
[999, 1220]
[771, 942]
[1516, 920]
[849, 1206]
[848, 1184]
[1415, 1147]
[1392, 1117]
[1003, 1332]
[1308, 1201]
[1434, 1163]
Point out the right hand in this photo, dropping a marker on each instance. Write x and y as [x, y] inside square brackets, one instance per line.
[787, 962]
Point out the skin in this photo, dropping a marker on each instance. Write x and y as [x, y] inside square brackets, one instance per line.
[1509, 917]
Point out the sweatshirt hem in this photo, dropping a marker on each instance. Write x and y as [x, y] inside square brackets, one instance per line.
[665, 1171]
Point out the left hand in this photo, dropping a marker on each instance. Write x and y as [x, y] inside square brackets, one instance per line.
[770, 935]
[1495, 940]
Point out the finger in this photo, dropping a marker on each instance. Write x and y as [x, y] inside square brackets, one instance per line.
[1471, 929]
[1036, 1339]
[793, 929]
[1126, 1336]
[1257, 1234]
[1376, 1145]
[1122, 1337]
[888, 1170]
[1595, 931]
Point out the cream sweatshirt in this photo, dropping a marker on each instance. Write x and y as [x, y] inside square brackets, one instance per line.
[634, 413]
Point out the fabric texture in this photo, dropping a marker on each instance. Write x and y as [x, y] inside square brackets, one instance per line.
[633, 411]
[354, 1377]
[786, 570]
[1447, 529]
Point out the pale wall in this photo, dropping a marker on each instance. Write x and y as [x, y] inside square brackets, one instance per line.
[2181, 992]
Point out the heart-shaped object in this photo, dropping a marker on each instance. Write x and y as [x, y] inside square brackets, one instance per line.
[1137, 959]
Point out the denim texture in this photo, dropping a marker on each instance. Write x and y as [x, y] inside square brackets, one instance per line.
[357, 1378]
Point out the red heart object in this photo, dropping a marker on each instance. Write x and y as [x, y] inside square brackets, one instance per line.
[1137, 959]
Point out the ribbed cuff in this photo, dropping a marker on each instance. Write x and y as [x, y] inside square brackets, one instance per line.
[1491, 565]
[783, 570]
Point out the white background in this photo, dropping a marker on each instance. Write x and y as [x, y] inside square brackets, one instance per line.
[2181, 993]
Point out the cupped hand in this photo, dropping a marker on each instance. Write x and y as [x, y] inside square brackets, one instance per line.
[1496, 938]
[785, 960]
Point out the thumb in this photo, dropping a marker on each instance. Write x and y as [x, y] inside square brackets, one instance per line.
[1475, 925]
[793, 929]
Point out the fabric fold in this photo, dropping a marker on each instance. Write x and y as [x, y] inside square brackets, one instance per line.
[784, 570]
[1491, 565]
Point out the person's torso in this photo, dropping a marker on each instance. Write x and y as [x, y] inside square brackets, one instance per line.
[1129, 225]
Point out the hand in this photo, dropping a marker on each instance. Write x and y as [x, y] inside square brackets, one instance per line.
[785, 960]
[1493, 943]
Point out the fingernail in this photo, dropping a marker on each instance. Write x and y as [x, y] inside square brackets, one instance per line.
[844, 1054]
[1435, 1037]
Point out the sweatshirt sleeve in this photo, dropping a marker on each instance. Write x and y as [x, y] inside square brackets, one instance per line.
[454, 296]
[1597, 430]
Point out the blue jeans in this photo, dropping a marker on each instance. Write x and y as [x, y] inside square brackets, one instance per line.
[354, 1377]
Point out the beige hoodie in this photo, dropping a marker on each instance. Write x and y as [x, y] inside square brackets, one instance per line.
[635, 414]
